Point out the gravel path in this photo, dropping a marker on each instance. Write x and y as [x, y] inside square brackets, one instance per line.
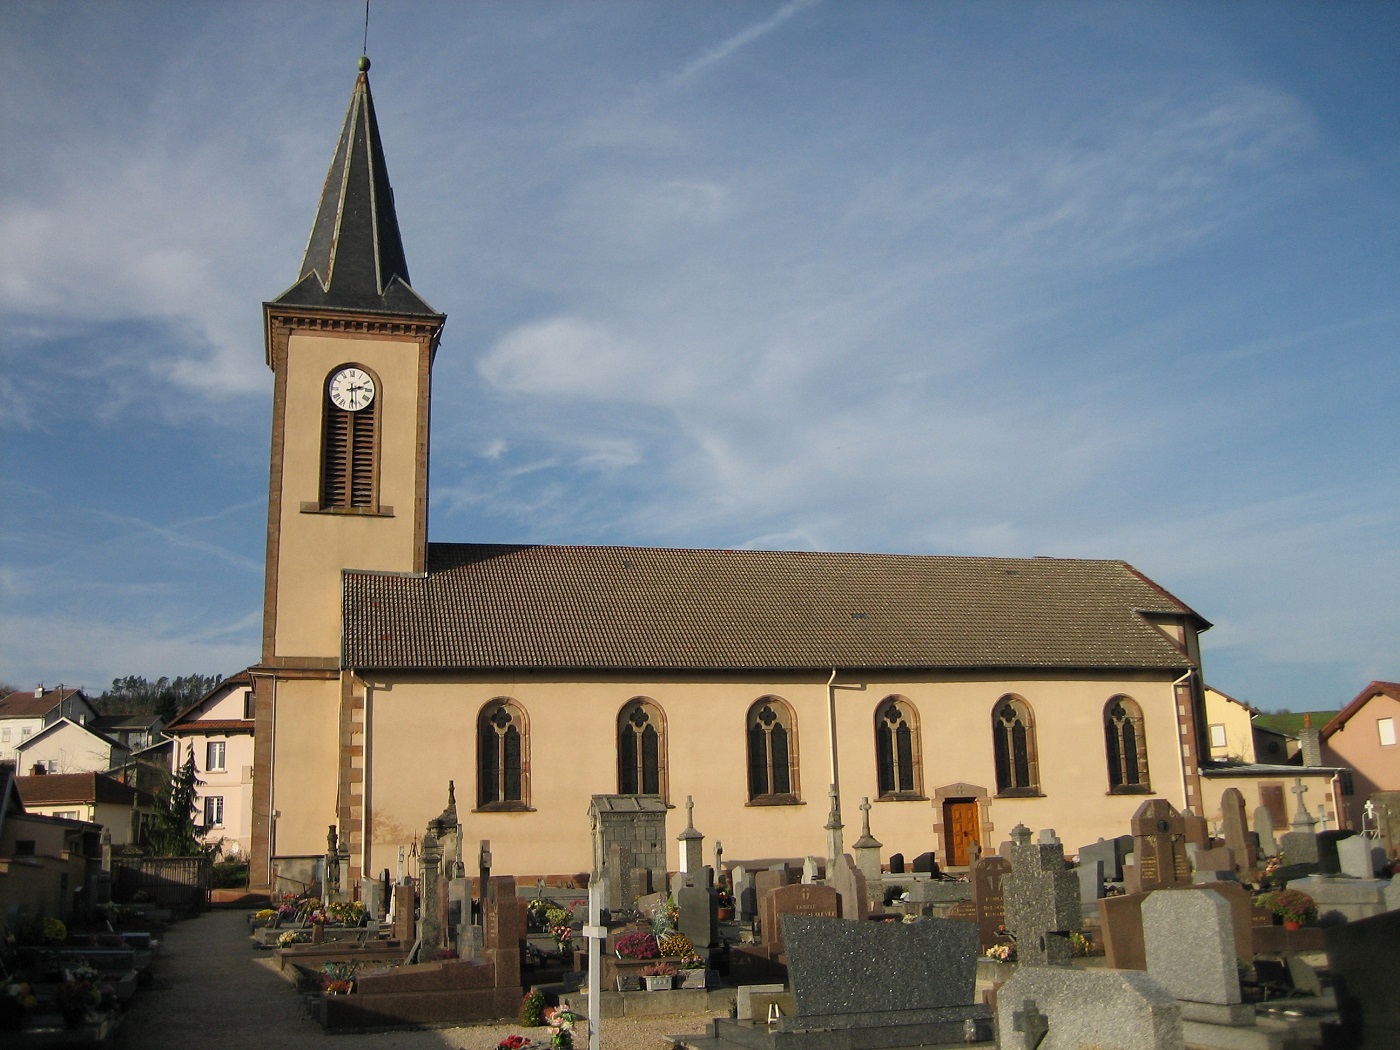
[213, 988]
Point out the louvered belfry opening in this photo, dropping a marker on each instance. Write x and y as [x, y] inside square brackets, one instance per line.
[347, 464]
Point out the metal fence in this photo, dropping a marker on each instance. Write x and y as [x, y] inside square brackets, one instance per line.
[179, 883]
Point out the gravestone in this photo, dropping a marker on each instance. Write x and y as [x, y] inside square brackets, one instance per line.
[849, 883]
[1196, 829]
[1090, 875]
[1302, 819]
[989, 877]
[881, 984]
[1356, 856]
[1327, 857]
[809, 871]
[1121, 924]
[1221, 858]
[1190, 945]
[1102, 1009]
[629, 845]
[1235, 828]
[1105, 853]
[1365, 970]
[896, 863]
[1042, 900]
[926, 863]
[765, 882]
[1264, 829]
[698, 913]
[812, 901]
[1159, 847]
[405, 907]
[1301, 850]
[745, 896]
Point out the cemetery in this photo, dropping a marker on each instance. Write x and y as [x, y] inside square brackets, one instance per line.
[1164, 937]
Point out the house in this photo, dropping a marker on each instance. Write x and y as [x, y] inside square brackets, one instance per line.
[960, 695]
[1265, 766]
[66, 746]
[1231, 727]
[1362, 736]
[93, 798]
[218, 730]
[44, 861]
[24, 714]
[134, 731]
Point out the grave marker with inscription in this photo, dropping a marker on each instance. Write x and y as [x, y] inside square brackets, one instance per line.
[1159, 847]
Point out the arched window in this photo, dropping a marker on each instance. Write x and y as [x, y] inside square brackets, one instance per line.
[1126, 746]
[897, 764]
[502, 757]
[772, 745]
[349, 439]
[641, 749]
[1013, 747]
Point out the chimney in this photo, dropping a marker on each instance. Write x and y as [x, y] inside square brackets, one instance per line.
[38, 770]
[38, 690]
[1310, 743]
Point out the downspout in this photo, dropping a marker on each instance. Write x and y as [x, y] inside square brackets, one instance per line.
[831, 733]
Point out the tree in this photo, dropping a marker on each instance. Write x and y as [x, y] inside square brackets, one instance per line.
[163, 697]
[173, 831]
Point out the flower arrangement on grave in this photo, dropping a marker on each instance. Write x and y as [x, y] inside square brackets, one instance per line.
[317, 915]
[75, 998]
[445, 955]
[638, 945]
[1002, 952]
[692, 961]
[339, 987]
[563, 935]
[513, 1042]
[16, 1000]
[1081, 946]
[338, 978]
[1289, 905]
[561, 1024]
[659, 969]
[265, 915]
[675, 944]
[351, 913]
[289, 937]
[1270, 872]
[532, 1009]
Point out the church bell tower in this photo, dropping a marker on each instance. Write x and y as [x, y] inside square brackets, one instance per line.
[351, 347]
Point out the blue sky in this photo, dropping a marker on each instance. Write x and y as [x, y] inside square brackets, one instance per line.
[1107, 280]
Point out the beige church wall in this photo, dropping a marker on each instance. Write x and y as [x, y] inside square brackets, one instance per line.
[314, 547]
[422, 734]
[1357, 745]
[305, 755]
[1238, 726]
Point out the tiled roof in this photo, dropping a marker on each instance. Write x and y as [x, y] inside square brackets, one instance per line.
[196, 727]
[56, 788]
[484, 606]
[1390, 689]
[27, 705]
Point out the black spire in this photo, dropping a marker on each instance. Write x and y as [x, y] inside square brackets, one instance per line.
[354, 258]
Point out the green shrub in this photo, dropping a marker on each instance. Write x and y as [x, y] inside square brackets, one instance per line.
[229, 875]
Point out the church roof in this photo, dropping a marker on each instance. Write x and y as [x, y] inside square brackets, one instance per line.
[482, 607]
[354, 258]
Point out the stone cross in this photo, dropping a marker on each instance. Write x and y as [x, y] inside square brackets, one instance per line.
[401, 860]
[1368, 819]
[430, 920]
[719, 860]
[1031, 1023]
[1302, 820]
[834, 843]
[692, 843]
[867, 851]
[331, 880]
[597, 936]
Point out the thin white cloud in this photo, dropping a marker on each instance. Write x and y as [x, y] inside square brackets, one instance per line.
[741, 39]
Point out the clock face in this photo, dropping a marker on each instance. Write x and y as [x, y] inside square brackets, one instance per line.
[351, 389]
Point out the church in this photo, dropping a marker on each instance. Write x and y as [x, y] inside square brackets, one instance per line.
[960, 696]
